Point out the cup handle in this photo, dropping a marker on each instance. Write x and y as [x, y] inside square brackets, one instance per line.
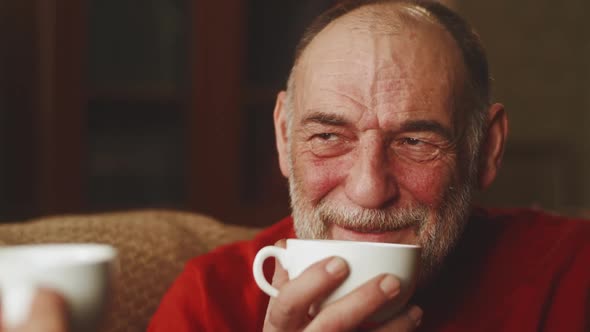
[17, 299]
[261, 256]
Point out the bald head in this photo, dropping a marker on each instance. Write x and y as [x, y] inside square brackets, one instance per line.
[388, 12]
[386, 18]
[368, 53]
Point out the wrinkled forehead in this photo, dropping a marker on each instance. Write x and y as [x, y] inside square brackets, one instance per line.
[380, 44]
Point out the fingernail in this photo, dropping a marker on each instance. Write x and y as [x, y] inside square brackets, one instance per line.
[415, 314]
[389, 285]
[336, 266]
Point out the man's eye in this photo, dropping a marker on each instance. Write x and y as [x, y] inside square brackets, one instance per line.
[326, 136]
[412, 141]
[328, 144]
[415, 149]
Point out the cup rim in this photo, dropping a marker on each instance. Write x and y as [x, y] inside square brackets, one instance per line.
[353, 243]
[87, 253]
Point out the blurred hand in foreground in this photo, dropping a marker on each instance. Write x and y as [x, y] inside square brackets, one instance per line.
[48, 314]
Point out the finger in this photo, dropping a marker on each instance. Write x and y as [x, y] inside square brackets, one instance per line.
[408, 320]
[290, 309]
[48, 313]
[352, 310]
[280, 276]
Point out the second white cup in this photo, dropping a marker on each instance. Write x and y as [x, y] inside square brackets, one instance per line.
[82, 273]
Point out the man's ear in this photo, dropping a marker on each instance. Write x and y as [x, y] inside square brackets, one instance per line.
[493, 146]
[281, 135]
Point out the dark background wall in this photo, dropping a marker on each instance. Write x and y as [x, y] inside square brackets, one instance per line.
[540, 57]
[111, 104]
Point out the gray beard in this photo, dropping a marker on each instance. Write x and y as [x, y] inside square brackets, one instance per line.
[437, 230]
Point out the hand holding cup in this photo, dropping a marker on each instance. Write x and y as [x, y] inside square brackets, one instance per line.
[366, 262]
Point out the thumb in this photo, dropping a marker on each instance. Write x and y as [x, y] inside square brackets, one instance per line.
[280, 276]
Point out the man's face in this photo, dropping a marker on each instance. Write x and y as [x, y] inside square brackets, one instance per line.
[373, 147]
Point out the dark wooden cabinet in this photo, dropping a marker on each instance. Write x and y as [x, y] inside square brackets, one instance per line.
[111, 105]
[43, 50]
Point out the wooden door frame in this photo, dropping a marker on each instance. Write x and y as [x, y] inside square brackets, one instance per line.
[213, 116]
[44, 103]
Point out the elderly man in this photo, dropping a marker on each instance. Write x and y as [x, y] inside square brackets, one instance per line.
[385, 130]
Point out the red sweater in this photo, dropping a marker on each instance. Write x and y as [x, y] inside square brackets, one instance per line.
[514, 270]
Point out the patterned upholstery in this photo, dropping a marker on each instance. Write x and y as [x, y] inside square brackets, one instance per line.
[153, 247]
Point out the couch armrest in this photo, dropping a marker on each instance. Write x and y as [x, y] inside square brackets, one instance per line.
[153, 248]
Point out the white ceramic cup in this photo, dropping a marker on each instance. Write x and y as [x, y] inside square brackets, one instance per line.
[82, 273]
[365, 260]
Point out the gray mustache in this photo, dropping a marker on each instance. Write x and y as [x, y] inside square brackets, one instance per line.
[372, 220]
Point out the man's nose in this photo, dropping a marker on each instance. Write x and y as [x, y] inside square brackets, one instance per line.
[370, 183]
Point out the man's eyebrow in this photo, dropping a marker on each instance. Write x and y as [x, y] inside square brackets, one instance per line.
[330, 119]
[325, 119]
[427, 125]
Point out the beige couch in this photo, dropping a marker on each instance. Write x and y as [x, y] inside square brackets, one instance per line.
[153, 248]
